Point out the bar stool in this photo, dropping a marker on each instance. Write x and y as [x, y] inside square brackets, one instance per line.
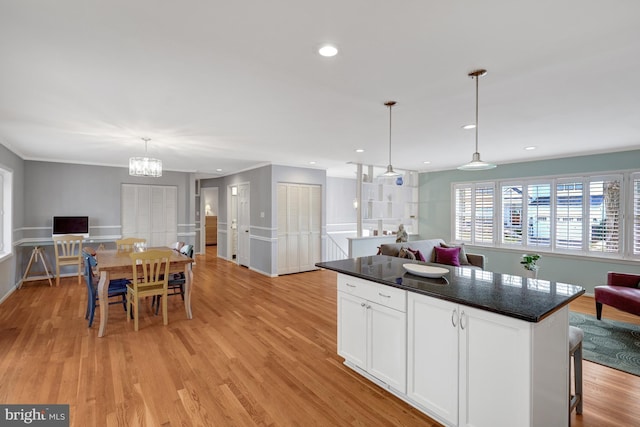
[575, 350]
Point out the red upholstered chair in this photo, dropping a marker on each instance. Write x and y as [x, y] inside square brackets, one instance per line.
[621, 292]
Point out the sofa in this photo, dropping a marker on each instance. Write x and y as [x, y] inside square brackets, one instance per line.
[434, 250]
[622, 291]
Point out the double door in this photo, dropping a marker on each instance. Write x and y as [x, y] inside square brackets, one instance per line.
[299, 227]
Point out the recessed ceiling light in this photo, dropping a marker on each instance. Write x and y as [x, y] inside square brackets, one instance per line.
[529, 148]
[427, 162]
[328, 50]
[359, 150]
[218, 170]
[312, 163]
[470, 126]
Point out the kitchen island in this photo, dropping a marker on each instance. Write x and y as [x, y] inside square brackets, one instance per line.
[469, 348]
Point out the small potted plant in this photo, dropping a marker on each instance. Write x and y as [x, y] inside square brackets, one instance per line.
[529, 262]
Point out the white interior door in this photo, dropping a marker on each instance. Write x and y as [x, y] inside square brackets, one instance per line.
[244, 219]
[150, 212]
[299, 227]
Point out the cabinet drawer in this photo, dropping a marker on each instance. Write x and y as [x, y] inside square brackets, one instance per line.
[391, 297]
[375, 292]
[354, 286]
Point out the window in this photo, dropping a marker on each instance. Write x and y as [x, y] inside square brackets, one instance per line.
[568, 210]
[474, 208]
[604, 214]
[6, 211]
[580, 215]
[463, 214]
[636, 213]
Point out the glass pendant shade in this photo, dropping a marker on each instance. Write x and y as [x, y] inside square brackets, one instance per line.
[145, 166]
[476, 164]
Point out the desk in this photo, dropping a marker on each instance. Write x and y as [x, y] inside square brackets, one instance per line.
[113, 264]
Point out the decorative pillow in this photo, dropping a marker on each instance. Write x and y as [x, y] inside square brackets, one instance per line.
[463, 254]
[391, 250]
[406, 253]
[417, 254]
[449, 256]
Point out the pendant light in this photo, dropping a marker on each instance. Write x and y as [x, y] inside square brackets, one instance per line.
[145, 166]
[390, 171]
[476, 164]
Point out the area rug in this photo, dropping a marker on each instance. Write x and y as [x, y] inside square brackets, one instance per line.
[609, 343]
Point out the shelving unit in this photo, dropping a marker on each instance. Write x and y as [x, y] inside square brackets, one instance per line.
[388, 202]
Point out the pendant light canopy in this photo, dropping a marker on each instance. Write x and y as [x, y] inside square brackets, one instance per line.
[145, 166]
[476, 164]
[390, 171]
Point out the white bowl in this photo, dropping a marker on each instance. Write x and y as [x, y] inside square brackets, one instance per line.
[425, 270]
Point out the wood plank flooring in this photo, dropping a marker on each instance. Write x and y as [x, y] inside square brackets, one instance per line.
[259, 351]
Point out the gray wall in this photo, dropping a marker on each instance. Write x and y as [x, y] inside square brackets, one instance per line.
[9, 273]
[435, 216]
[45, 189]
[263, 193]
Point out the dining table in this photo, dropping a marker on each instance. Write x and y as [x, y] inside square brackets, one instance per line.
[116, 264]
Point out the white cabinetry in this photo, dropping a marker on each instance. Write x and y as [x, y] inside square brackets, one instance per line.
[471, 367]
[372, 329]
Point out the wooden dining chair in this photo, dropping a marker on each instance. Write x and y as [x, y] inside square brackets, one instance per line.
[128, 244]
[68, 251]
[150, 278]
[117, 288]
[177, 281]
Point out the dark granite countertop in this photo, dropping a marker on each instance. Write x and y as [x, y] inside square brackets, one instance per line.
[514, 296]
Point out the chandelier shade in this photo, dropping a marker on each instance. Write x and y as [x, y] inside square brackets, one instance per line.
[145, 166]
[476, 164]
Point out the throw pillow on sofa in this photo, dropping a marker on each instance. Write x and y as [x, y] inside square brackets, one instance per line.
[449, 256]
[406, 253]
[463, 254]
[417, 254]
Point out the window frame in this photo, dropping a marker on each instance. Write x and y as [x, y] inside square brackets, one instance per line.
[626, 221]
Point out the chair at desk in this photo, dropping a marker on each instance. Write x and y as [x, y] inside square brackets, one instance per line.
[151, 281]
[176, 281]
[117, 288]
[68, 250]
[128, 244]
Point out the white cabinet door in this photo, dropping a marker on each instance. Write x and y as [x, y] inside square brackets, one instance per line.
[495, 366]
[432, 359]
[352, 329]
[387, 345]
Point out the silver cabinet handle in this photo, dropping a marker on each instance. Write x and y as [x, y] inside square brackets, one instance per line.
[350, 285]
[454, 317]
[383, 295]
[462, 317]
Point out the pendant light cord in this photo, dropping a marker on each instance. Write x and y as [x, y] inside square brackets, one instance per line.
[390, 107]
[477, 83]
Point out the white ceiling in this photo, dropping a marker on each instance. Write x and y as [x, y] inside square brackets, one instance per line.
[235, 84]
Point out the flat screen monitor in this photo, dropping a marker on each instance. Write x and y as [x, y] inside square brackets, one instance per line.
[77, 225]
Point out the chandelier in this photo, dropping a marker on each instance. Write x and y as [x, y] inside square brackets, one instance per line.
[145, 166]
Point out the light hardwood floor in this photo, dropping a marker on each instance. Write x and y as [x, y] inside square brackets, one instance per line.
[259, 351]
